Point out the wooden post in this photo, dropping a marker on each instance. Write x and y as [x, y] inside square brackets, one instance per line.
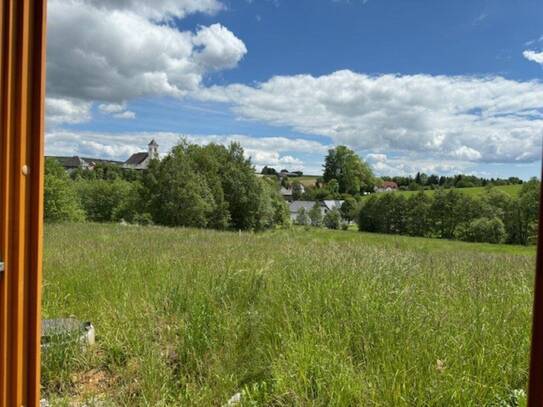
[22, 94]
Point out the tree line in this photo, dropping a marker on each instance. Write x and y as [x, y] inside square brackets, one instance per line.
[210, 186]
[493, 217]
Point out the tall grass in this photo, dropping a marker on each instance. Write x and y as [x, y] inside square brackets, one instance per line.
[189, 317]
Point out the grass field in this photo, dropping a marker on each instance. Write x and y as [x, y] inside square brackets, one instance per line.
[512, 190]
[289, 317]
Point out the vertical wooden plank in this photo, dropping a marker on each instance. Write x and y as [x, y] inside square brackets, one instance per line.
[22, 92]
[37, 173]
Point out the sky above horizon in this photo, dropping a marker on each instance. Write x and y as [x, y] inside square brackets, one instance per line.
[436, 87]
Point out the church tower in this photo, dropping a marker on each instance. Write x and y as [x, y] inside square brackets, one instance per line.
[153, 150]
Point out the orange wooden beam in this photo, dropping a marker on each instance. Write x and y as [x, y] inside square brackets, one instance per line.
[22, 95]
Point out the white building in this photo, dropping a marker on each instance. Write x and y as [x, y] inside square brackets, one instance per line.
[140, 161]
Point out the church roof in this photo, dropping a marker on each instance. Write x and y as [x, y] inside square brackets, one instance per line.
[137, 158]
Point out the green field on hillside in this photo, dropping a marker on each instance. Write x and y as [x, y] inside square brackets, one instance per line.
[288, 317]
[512, 190]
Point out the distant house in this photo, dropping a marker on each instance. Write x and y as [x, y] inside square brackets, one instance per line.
[140, 161]
[70, 164]
[287, 193]
[137, 161]
[295, 206]
[330, 205]
[388, 186]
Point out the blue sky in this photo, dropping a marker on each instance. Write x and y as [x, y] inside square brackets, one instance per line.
[442, 87]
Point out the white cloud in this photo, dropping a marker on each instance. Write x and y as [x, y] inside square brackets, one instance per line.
[60, 110]
[488, 119]
[125, 115]
[533, 56]
[115, 51]
[160, 9]
[117, 110]
[403, 166]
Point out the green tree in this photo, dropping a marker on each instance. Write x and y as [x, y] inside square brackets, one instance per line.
[176, 193]
[348, 209]
[482, 230]
[315, 215]
[418, 214]
[302, 217]
[61, 202]
[332, 219]
[297, 190]
[352, 174]
[102, 199]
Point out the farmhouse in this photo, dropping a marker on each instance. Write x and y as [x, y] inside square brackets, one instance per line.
[330, 205]
[294, 207]
[388, 186]
[70, 164]
[288, 193]
[326, 206]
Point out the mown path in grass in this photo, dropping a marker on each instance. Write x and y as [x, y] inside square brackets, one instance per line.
[290, 317]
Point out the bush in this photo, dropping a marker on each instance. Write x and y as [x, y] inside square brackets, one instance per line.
[61, 203]
[315, 215]
[482, 230]
[103, 200]
[332, 220]
[302, 218]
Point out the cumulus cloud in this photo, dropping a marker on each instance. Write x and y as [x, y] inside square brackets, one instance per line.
[115, 51]
[270, 151]
[533, 56]
[117, 110]
[489, 119]
[160, 9]
[61, 110]
[384, 165]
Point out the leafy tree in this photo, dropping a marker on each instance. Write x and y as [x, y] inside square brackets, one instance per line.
[482, 230]
[61, 203]
[418, 215]
[348, 209]
[102, 199]
[315, 215]
[352, 174]
[177, 194]
[368, 215]
[297, 190]
[527, 211]
[332, 219]
[302, 218]
[268, 171]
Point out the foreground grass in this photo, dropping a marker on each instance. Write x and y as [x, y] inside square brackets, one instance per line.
[189, 317]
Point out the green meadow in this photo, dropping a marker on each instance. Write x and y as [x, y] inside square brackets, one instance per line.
[290, 317]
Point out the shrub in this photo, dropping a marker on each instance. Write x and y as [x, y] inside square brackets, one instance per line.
[61, 203]
[482, 230]
[302, 218]
[332, 220]
[315, 215]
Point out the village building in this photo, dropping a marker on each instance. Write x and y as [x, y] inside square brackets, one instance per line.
[140, 161]
[330, 205]
[387, 186]
[325, 206]
[70, 164]
[137, 161]
[288, 194]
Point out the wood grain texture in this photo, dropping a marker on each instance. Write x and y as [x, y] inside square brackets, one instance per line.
[22, 95]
